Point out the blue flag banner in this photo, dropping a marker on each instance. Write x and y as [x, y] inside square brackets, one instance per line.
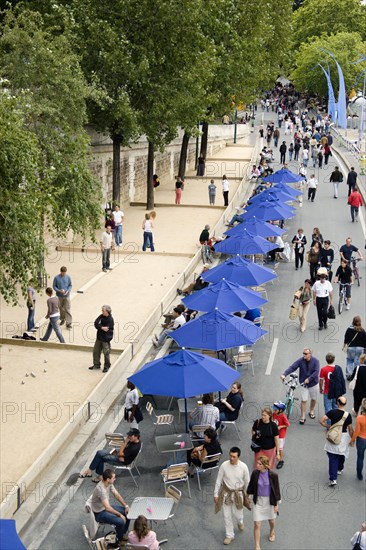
[331, 98]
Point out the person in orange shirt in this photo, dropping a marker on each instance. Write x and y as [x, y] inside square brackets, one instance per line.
[359, 435]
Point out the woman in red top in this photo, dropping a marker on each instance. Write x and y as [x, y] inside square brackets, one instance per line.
[327, 153]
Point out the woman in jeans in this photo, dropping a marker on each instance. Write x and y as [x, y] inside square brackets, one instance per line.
[147, 228]
[355, 339]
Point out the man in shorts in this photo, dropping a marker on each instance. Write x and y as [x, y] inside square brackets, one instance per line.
[309, 368]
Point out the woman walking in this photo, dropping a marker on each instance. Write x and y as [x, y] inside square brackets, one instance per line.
[355, 340]
[299, 241]
[265, 488]
[225, 190]
[265, 434]
[179, 186]
[359, 435]
[147, 227]
[359, 392]
[31, 305]
[313, 259]
[303, 295]
[316, 237]
[212, 193]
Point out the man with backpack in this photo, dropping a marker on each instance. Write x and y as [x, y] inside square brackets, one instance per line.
[338, 437]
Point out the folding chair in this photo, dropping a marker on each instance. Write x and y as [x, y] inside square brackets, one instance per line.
[114, 439]
[175, 474]
[210, 459]
[130, 467]
[233, 422]
[258, 321]
[94, 525]
[199, 429]
[245, 358]
[97, 544]
[175, 494]
[260, 289]
[161, 419]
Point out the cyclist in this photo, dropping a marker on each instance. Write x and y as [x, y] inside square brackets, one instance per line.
[283, 423]
[344, 277]
[309, 378]
[348, 249]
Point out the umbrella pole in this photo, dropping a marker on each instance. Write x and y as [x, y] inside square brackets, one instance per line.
[186, 413]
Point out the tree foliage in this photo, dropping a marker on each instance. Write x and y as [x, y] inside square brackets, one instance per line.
[345, 46]
[317, 17]
[44, 78]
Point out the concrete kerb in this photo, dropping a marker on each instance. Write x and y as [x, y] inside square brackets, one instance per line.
[348, 164]
[104, 395]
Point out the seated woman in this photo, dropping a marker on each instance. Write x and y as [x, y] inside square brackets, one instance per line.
[142, 534]
[211, 446]
[206, 414]
[229, 408]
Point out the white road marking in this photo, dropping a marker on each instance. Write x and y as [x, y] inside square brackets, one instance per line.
[272, 357]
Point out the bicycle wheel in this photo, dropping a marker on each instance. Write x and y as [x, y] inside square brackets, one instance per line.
[289, 404]
[340, 303]
[356, 273]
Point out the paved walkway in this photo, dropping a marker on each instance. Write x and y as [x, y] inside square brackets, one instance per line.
[308, 506]
[137, 283]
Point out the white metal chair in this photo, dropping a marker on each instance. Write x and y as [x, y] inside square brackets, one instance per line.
[199, 429]
[161, 419]
[210, 459]
[258, 321]
[175, 494]
[130, 467]
[260, 289]
[94, 525]
[176, 473]
[233, 422]
[114, 439]
[245, 358]
[97, 544]
[130, 546]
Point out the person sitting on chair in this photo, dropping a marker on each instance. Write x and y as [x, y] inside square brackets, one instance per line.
[198, 284]
[205, 414]
[229, 408]
[211, 446]
[126, 454]
[104, 512]
[142, 535]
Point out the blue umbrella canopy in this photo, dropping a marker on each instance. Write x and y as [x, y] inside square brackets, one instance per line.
[290, 190]
[246, 245]
[268, 210]
[225, 296]
[9, 538]
[241, 271]
[257, 228]
[283, 176]
[184, 374]
[272, 194]
[217, 330]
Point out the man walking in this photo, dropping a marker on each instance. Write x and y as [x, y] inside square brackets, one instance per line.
[337, 448]
[308, 376]
[322, 298]
[105, 326]
[355, 201]
[231, 484]
[283, 149]
[312, 186]
[351, 180]
[62, 285]
[53, 315]
[106, 244]
[118, 217]
[336, 178]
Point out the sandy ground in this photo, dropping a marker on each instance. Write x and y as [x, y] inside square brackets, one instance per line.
[36, 411]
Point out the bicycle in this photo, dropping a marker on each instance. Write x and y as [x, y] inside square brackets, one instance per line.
[355, 270]
[292, 384]
[342, 296]
[206, 254]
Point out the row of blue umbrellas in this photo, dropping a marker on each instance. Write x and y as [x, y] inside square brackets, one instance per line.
[186, 373]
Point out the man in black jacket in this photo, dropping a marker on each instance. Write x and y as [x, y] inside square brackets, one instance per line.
[351, 180]
[283, 149]
[105, 326]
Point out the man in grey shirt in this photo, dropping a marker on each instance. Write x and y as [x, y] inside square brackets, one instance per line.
[104, 512]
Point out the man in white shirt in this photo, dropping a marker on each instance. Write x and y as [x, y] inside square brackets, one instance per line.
[312, 187]
[118, 217]
[225, 190]
[106, 244]
[322, 297]
[231, 483]
[179, 321]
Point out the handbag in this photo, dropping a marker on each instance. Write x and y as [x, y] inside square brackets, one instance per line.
[352, 384]
[346, 346]
[293, 312]
[331, 312]
[246, 501]
[357, 545]
[253, 445]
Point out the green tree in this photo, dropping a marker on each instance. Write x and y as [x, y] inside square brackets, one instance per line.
[309, 76]
[316, 17]
[44, 76]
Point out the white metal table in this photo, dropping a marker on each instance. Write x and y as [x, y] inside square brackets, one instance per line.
[153, 508]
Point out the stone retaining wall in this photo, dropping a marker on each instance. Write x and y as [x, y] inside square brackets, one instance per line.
[134, 160]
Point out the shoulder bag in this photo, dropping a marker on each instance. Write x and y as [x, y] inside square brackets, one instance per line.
[346, 346]
[334, 434]
[256, 447]
[352, 384]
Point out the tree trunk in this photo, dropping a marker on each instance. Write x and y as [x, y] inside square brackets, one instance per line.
[204, 139]
[150, 185]
[183, 156]
[117, 140]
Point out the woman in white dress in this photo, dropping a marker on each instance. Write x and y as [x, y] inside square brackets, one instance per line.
[265, 488]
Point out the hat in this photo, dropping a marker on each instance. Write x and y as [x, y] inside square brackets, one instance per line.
[134, 431]
[206, 266]
[279, 405]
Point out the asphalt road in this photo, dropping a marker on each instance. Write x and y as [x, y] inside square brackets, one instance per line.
[312, 515]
